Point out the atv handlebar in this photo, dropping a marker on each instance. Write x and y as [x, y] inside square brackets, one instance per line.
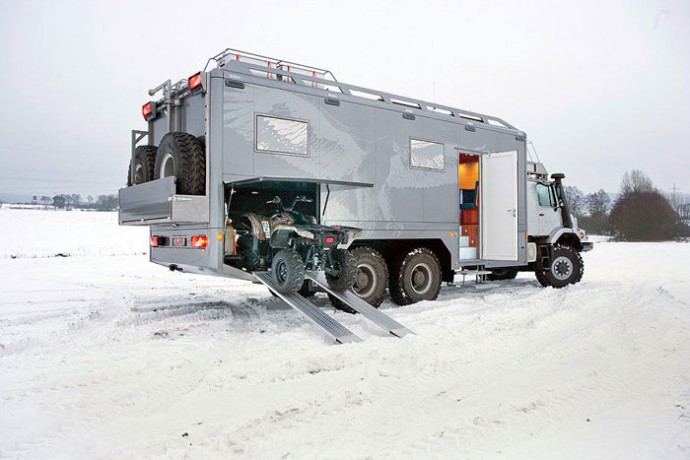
[298, 199]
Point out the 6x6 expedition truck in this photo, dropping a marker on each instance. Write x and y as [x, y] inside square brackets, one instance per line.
[386, 193]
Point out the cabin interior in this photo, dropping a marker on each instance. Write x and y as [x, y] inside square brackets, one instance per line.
[468, 183]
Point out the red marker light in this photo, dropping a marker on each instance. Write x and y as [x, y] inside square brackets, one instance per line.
[199, 242]
[330, 240]
[337, 227]
[154, 241]
[194, 81]
[146, 110]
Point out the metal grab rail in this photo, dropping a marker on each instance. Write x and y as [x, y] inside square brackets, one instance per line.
[236, 55]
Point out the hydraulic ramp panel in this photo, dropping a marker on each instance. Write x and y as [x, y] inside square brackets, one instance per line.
[340, 333]
[372, 314]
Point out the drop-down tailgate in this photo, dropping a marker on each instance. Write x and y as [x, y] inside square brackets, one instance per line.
[155, 202]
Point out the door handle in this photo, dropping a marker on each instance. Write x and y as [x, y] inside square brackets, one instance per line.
[541, 214]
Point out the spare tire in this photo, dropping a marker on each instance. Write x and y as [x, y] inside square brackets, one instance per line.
[182, 155]
[144, 162]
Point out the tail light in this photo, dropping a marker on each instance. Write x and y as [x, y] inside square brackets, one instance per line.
[154, 242]
[148, 110]
[330, 240]
[194, 81]
[199, 242]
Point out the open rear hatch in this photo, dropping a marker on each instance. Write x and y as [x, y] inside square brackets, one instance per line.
[156, 202]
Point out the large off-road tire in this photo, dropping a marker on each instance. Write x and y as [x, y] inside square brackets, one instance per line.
[566, 268]
[346, 263]
[144, 163]
[287, 271]
[502, 274]
[415, 277]
[371, 280]
[182, 155]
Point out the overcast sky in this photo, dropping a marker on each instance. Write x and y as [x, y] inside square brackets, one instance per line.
[600, 87]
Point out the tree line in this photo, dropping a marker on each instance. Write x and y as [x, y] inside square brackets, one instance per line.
[640, 211]
[74, 201]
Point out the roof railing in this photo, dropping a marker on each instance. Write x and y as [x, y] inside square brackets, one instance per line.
[303, 75]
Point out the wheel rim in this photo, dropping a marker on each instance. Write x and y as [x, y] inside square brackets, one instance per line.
[421, 278]
[366, 280]
[281, 272]
[167, 166]
[562, 268]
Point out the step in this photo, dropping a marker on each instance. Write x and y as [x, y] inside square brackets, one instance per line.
[474, 272]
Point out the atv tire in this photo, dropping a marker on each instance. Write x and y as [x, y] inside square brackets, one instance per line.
[182, 155]
[287, 271]
[371, 280]
[144, 163]
[346, 264]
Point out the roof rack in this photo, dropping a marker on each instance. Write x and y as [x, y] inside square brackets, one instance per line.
[230, 54]
[281, 70]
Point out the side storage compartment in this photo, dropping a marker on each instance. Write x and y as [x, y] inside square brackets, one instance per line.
[156, 202]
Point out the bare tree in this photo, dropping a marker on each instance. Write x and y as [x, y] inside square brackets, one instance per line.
[576, 200]
[598, 203]
[636, 181]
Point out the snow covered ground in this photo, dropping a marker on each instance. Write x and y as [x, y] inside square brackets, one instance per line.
[105, 355]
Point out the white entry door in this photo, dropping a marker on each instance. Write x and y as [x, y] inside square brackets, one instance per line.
[499, 190]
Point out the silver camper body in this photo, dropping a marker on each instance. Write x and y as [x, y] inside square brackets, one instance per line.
[387, 164]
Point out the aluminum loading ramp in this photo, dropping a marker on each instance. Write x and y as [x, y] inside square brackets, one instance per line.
[340, 333]
[372, 314]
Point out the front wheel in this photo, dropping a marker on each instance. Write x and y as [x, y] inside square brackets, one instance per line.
[287, 271]
[416, 277]
[566, 268]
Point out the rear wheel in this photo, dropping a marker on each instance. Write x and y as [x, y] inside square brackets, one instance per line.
[144, 163]
[416, 277]
[346, 265]
[287, 271]
[182, 155]
[566, 268]
[371, 279]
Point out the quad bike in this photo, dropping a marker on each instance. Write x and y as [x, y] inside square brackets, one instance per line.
[292, 243]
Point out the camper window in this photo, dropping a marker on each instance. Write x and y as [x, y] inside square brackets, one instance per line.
[425, 154]
[281, 135]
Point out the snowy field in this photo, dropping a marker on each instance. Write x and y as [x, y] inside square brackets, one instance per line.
[105, 355]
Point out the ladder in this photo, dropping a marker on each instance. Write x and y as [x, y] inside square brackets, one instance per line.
[340, 333]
